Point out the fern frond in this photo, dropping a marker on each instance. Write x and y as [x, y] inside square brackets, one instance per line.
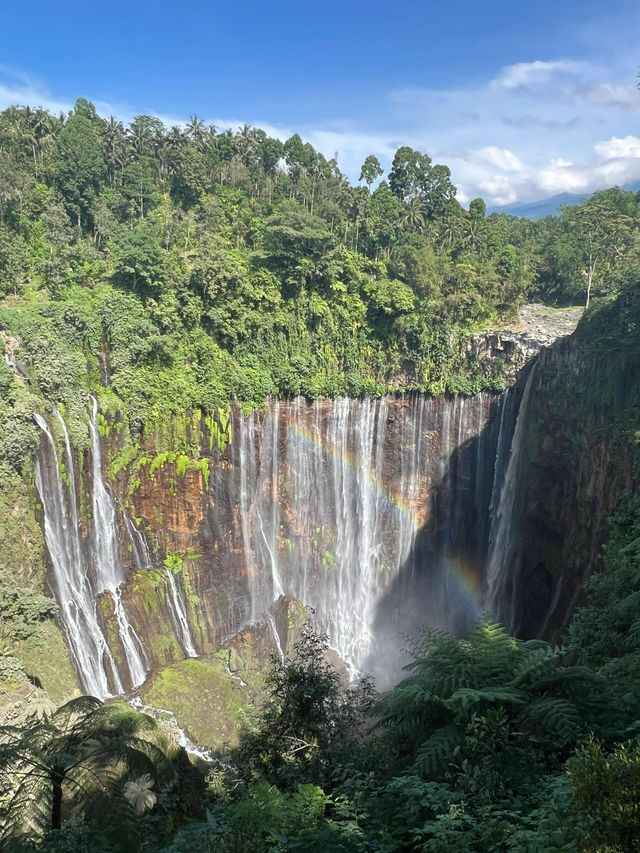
[632, 638]
[431, 754]
[559, 717]
[565, 676]
[468, 698]
[629, 604]
[534, 662]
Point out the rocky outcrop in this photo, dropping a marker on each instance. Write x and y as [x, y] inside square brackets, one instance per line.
[210, 695]
[503, 353]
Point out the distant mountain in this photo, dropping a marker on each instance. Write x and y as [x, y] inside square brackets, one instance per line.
[549, 206]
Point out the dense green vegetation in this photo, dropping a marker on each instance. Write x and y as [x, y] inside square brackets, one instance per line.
[190, 266]
[489, 744]
[196, 265]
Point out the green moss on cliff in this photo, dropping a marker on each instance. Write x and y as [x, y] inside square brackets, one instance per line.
[22, 554]
[45, 657]
[28, 633]
[208, 702]
[147, 591]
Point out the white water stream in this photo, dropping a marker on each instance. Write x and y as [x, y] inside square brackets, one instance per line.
[326, 498]
[76, 598]
[109, 571]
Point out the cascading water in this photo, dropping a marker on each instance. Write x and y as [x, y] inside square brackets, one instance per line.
[109, 571]
[178, 612]
[177, 608]
[139, 549]
[93, 660]
[380, 514]
[82, 572]
[504, 544]
[331, 493]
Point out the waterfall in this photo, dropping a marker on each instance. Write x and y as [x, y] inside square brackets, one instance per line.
[178, 612]
[505, 539]
[139, 548]
[175, 599]
[92, 658]
[109, 571]
[380, 514]
[330, 495]
[81, 575]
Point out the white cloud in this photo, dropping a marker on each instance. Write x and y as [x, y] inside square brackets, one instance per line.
[608, 163]
[534, 129]
[616, 148]
[538, 72]
[502, 158]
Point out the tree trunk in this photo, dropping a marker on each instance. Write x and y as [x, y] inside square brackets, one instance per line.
[590, 274]
[56, 799]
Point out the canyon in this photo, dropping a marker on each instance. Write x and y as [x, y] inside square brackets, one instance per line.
[382, 515]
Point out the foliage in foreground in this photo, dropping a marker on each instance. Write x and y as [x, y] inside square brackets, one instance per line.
[489, 743]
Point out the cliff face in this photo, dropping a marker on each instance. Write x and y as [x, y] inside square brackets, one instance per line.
[383, 515]
[579, 457]
[318, 500]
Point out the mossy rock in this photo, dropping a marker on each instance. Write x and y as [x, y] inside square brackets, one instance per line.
[208, 702]
[46, 660]
[22, 539]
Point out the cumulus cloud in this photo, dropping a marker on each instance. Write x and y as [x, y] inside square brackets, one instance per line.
[616, 148]
[608, 163]
[525, 74]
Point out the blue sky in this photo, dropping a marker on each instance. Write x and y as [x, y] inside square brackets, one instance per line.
[521, 100]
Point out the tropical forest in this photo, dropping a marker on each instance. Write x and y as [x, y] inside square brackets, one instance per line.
[319, 500]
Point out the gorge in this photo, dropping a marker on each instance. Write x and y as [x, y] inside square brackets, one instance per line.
[383, 515]
[260, 426]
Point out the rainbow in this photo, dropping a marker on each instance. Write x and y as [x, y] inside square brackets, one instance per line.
[460, 569]
[385, 492]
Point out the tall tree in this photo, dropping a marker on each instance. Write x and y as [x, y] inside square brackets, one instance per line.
[596, 236]
[74, 755]
[79, 163]
[413, 174]
[371, 170]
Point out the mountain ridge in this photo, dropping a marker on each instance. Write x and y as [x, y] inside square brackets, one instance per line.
[549, 206]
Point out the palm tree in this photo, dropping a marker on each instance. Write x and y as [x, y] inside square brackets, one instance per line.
[245, 145]
[162, 150]
[44, 128]
[450, 231]
[413, 216]
[79, 758]
[195, 129]
[115, 146]
[475, 233]
[209, 142]
[140, 137]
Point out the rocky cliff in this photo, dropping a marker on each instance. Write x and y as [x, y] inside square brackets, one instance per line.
[381, 514]
[580, 457]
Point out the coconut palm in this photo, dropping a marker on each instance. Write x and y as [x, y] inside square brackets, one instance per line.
[413, 216]
[450, 231]
[115, 146]
[195, 129]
